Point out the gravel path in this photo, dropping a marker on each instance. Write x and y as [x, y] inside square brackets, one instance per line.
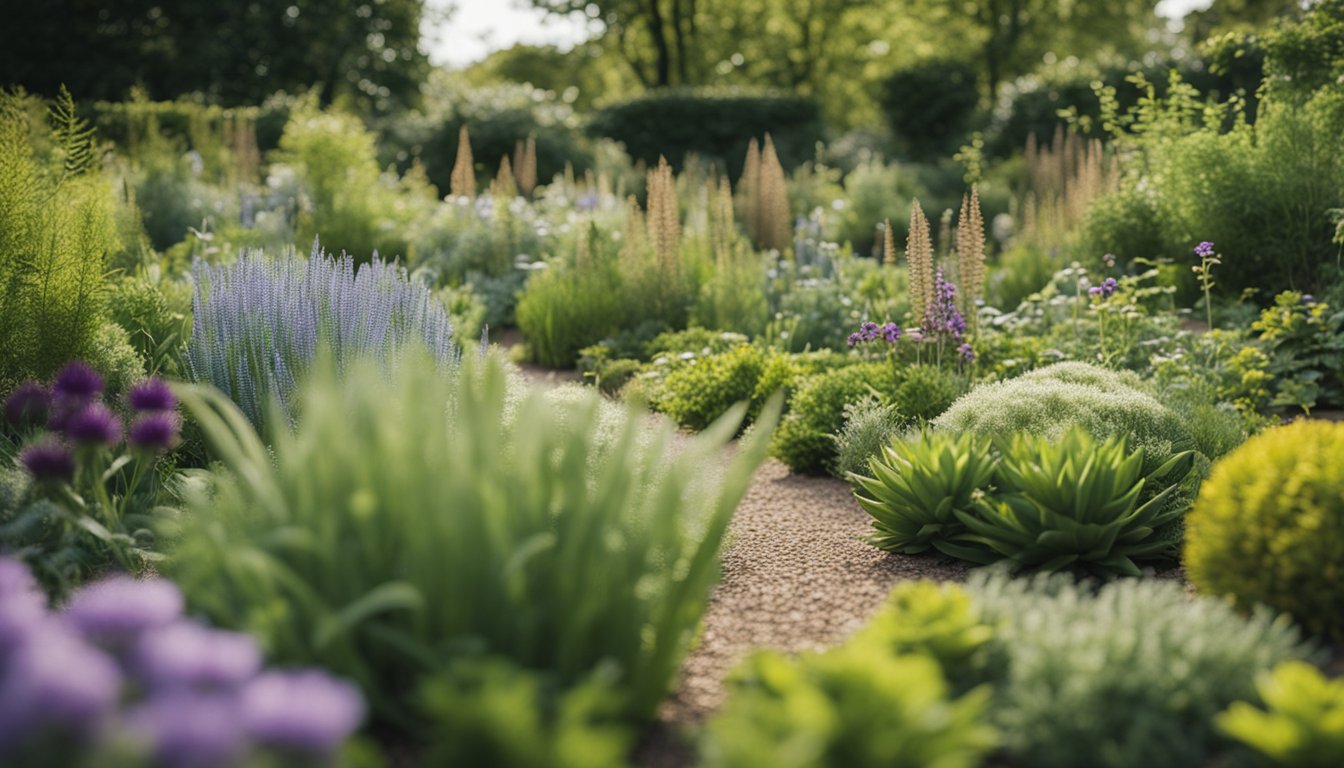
[796, 577]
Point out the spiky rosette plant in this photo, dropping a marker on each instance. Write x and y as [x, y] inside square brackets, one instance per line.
[919, 485]
[1078, 503]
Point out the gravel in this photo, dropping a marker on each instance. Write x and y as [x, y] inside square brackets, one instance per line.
[797, 576]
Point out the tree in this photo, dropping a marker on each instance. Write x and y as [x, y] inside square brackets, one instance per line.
[1012, 36]
[1239, 16]
[656, 38]
[232, 52]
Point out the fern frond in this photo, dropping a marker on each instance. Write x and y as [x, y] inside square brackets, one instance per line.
[74, 136]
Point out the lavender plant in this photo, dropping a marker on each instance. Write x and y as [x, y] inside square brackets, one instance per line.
[258, 324]
[121, 678]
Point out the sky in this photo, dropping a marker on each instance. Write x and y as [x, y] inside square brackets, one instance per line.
[482, 26]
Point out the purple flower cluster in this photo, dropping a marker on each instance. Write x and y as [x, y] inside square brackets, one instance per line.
[1204, 250]
[75, 416]
[942, 319]
[1105, 290]
[122, 666]
[890, 333]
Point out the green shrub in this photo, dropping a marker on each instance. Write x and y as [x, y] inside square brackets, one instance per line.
[491, 712]
[1130, 675]
[847, 708]
[347, 202]
[919, 485]
[1268, 526]
[156, 318]
[411, 517]
[698, 393]
[926, 391]
[940, 621]
[713, 124]
[1304, 341]
[1302, 725]
[930, 105]
[1049, 401]
[805, 440]
[870, 425]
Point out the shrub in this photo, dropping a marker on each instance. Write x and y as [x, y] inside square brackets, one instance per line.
[713, 124]
[805, 440]
[870, 425]
[57, 229]
[121, 677]
[926, 391]
[940, 621]
[846, 708]
[258, 324]
[929, 106]
[155, 317]
[582, 548]
[1304, 340]
[1131, 675]
[1302, 724]
[918, 486]
[705, 388]
[1050, 400]
[1268, 526]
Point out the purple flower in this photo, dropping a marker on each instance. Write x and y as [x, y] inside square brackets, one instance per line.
[1108, 287]
[119, 609]
[27, 406]
[1204, 250]
[306, 711]
[869, 331]
[1094, 291]
[185, 654]
[55, 682]
[15, 578]
[152, 395]
[23, 609]
[94, 424]
[854, 338]
[77, 381]
[891, 332]
[967, 353]
[189, 729]
[48, 460]
[156, 431]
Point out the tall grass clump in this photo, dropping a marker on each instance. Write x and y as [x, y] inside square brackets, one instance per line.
[57, 231]
[258, 324]
[413, 519]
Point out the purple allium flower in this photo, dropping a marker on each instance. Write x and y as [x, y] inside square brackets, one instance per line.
[119, 609]
[189, 729]
[155, 431]
[94, 424]
[57, 682]
[306, 711]
[1204, 250]
[869, 331]
[891, 332]
[23, 609]
[28, 405]
[186, 654]
[152, 395]
[77, 381]
[48, 460]
[967, 353]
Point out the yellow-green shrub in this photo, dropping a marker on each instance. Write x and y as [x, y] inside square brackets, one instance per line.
[1304, 724]
[1268, 525]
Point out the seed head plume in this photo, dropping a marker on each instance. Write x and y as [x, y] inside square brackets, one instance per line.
[463, 181]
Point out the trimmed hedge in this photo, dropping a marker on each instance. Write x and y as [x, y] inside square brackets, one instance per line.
[714, 124]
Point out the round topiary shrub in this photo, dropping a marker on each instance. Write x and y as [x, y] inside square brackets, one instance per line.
[1268, 526]
[805, 440]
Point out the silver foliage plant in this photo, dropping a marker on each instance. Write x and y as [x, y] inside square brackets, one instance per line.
[259, 323]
